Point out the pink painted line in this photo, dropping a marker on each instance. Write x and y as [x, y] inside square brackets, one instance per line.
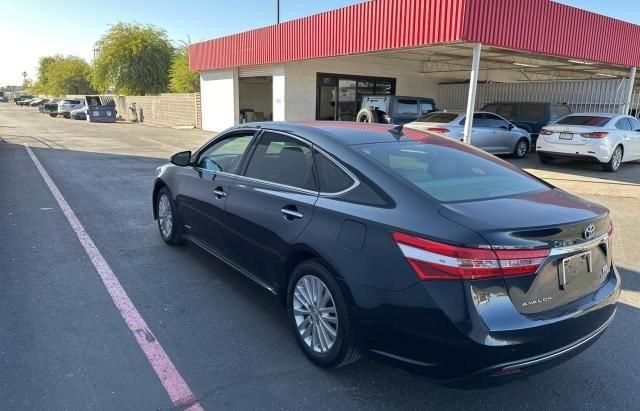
[171, 380]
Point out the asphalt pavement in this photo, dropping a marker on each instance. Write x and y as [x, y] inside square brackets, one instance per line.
[65, 345]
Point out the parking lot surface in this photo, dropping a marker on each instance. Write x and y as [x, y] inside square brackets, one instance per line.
[65, 345]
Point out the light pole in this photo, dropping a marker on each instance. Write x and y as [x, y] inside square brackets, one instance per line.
[277, 11]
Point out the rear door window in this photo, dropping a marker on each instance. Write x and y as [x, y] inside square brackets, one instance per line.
[593, 121]
[532, 112]
[559, 111]
[426, 107]
[406, 106]
[623, 124]
[635, 124]
[282, 160]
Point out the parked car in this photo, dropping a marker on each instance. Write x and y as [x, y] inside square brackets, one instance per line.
[490, 132]
[530, 116]
[18, 100]
[26, 101]
[406, 244]
[79, 114]
[4, 99]
[394, 109]
[51, 107]
[66, 106]
[37, 102]
[603, 138]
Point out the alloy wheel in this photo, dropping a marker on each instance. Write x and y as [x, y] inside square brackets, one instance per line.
[617, 158]
[522, 148]
[315, 314]
[165, 216]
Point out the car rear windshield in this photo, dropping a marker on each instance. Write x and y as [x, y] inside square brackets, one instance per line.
[595, 121]
[438, 118]
[450, 174]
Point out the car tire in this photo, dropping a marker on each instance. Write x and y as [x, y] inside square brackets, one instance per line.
[66, 116]
[329, 339]
[521, 149]
[53, 115]
[168, 223]
[545, 159]
[367, 115]
[616, 160]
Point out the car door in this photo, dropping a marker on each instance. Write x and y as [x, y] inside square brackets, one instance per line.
[482, 135]
[634, 139]
[272, 203]
[502, 139]
[206, 187]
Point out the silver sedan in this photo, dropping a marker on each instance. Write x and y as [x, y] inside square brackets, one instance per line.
[490, 132]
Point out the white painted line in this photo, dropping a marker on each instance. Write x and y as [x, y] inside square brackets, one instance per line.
[173, 383]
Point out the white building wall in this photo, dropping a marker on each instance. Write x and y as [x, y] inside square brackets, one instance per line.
[301, 78]
[220, 100]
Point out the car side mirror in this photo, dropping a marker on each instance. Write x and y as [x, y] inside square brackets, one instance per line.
[181, 159]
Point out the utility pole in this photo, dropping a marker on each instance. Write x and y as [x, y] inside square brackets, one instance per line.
[277, 11]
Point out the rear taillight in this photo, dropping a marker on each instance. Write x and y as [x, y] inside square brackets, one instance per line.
[437, 261]
[597, 134]
[440, 130]
[545, 132]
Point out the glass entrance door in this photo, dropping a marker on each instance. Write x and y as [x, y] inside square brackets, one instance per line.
[339, 97]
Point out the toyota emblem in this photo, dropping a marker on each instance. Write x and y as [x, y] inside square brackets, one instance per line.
[589, 232]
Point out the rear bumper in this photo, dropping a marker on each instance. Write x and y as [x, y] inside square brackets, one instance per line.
[597, 150]
[462, 335]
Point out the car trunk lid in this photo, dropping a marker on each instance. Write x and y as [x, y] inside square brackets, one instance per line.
[576, 231]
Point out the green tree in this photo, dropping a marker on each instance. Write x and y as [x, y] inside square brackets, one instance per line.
[181, 78]
[132, 59]
[59, 75]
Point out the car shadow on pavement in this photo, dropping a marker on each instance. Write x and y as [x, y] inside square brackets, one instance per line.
[570, 170]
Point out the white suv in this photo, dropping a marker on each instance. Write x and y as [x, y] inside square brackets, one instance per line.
[66, 106]
[605, 138]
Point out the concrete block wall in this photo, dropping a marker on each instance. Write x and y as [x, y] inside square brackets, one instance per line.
[165, 110]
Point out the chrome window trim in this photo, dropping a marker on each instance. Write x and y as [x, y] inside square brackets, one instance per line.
[312, 147]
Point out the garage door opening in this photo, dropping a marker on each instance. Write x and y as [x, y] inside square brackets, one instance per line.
[256, 98]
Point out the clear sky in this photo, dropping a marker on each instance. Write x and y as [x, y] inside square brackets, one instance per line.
[30, 29]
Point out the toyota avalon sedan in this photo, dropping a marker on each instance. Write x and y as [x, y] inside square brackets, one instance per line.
[410, 246]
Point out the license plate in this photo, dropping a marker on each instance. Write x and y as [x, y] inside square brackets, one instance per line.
[574, 266]
[96, 114]
[566, 136]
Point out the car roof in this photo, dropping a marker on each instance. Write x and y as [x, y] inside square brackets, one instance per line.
[344, 133]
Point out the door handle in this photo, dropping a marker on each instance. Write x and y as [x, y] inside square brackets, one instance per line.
[219, 193]
[291, 213]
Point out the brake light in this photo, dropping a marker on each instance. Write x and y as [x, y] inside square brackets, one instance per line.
[545, 132]
[597, 134]
[440, 130]
[437, 261]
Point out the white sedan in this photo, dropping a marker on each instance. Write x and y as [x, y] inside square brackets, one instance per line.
[490, 132]
[605, 138]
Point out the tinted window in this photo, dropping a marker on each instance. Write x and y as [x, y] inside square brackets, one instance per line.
[635, 124]
[505, 110]
[405, 106]
[623, 124]
[595, 121]
[486, 120]
[426, 107]
[533, 112]
[559, 111]
[331, 178]
[451, 174]
[283, 160]
[225, 155]
[438, 118]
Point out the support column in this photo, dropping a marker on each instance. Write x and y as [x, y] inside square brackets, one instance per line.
[632, 79]
[279, 93]
[473, 87]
